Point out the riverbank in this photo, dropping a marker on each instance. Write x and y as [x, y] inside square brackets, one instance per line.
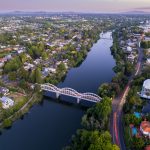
[7, 123]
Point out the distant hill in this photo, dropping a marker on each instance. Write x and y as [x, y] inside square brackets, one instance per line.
[136, 12]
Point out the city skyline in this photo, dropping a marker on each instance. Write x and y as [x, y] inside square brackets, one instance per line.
[75, 5]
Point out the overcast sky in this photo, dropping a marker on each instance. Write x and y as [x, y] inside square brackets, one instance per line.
[75, 5]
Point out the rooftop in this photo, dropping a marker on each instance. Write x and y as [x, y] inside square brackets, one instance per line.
[146, 84]
[147, 147]
[145, 125]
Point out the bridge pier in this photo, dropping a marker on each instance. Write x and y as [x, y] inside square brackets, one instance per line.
[78, 100]
[57, 95]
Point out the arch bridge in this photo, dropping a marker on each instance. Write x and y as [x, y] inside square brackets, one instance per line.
[89, 97]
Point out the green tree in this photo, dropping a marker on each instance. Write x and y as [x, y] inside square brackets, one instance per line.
[97, 117]
[92, 140]
[12, 76]
[7, 123]
[137, 143]
[38, 75]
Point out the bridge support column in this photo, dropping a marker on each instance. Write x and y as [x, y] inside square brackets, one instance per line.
[57, 95]
[78, 100]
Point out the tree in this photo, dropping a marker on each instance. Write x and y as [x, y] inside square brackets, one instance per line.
[44, 55]
[92, 140]
[61, 67]
[97, 117]
[1, 105]
[12, 76]
[129, 68]
[38, 75]
[7, 123]
[23, 74]
[137, 143]
[13, 65]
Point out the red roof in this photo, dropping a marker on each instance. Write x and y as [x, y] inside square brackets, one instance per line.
[147, 147]
[145, 125]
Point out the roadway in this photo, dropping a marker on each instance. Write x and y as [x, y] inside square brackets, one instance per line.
[116, 126]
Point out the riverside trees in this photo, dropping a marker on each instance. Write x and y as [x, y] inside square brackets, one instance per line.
[91, 140]
[94, 135]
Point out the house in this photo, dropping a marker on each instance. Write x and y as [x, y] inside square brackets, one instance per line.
[148, 61]
[20, 51]
[145, 93]
[131, 44]
[131, 58]
[145, 128]
[1, 64]
[129, 49]
[6, 102]
[28, 66]
[147, 147]
[4, 90]
[8, 57]
[37, 61]
[146, 38]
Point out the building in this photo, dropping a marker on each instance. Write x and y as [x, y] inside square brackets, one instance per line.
[148, 61]
[6, 102]
[147, 147]
[145, 128]
[131, 58]
[145, 93]
[129, 49]
[4, 91]
[147, 38]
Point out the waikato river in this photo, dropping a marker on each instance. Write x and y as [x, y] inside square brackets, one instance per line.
[50, 125]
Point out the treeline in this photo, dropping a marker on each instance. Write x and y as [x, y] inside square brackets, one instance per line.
[94, 135]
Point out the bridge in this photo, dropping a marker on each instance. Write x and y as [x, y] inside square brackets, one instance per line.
[70, 95]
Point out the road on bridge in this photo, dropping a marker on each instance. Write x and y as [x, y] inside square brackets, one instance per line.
[116, 127]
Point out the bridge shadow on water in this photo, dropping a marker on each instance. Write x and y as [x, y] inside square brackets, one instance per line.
[61, 102]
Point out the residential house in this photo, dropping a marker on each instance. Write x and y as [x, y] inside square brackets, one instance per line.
[6, 102]
[145, 93]
[145, 128]
[4, 91]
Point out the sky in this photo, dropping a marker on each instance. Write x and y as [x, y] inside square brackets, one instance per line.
[75, 5]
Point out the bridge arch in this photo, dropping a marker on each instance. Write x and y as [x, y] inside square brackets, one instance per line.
[51, 87]
[69, 91]
[91, 96]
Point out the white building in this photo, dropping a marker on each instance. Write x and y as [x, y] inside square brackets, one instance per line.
[129, 49]
[4, 90]
[145, 93]
[148, 61]
[6, 102]
[146, 38]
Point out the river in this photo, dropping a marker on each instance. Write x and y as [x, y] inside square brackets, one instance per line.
[50, 125]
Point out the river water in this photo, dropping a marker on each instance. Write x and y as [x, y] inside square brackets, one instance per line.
[50, 125]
